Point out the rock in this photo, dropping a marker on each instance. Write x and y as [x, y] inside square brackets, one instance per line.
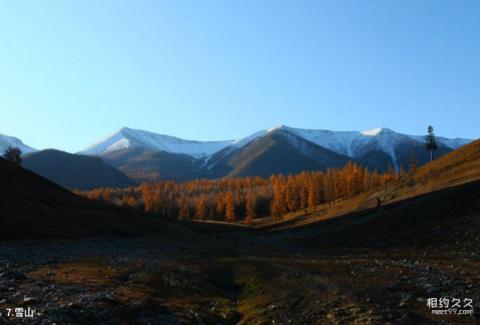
[29, 301]
[74, 305]
[404, 298]
[199, 318]
[232, 317]
[14, 275]
[331, 317]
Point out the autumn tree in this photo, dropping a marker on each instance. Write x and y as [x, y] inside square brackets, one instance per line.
[246, 198]
[303, 195]
[183, 212]
[279, 202]
[313, 193]
[148, 197]
[292, 194]
[220, 205]
[250, 207]
[201, 208]
[230, 208]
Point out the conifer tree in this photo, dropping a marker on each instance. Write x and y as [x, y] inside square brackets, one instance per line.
[13, 155]
[313, 193]
[201, 208]
[230, 208]
[220, 205]
[183, 213]
[250, 207]
[431, 142]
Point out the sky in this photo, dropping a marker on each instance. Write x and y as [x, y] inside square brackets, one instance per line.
[73, 72]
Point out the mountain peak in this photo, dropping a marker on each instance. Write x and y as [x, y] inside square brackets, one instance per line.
[377, 131]
[125, 128]
[277, 127]
[127, 138]
[9, 141]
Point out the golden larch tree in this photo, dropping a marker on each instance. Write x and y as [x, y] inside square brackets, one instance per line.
[250, 208]
[230, 208]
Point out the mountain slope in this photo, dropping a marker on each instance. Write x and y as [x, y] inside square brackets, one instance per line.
[7, 141]
[127, 138]
[380, 142]
[145, 165]
[147, 156]
[75, 171]
[278, 152]
[34, 207]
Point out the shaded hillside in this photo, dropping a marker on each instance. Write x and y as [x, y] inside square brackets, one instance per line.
[75, 171]
[146, 165]
[34, 207]
[451, 215]
[276, 153]
[417, 152]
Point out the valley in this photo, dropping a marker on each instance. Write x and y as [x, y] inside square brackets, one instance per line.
[209, 276]
[239, 162]
[342, 262]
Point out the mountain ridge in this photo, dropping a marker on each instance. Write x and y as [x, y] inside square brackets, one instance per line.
[342, 142]
[144, 156]
[133, 152]
[9, 141]
[133, 138]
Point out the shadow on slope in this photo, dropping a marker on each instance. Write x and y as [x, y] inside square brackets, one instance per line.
[449, 216]
[32, 207]
[75, 171]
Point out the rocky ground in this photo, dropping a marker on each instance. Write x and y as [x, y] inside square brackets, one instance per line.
[245, 278]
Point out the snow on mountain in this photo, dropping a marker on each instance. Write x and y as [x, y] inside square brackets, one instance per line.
[131, 138]
[348, 142]
[7, 141]
[372, 132]
[356, 144]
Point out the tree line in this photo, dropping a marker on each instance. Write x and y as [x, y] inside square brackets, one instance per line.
[246, 198]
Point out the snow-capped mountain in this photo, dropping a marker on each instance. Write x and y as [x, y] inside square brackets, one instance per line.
[353, 144]
[8, 141]
[349, 143]
[127, 138]
[357, 144]
[146, 156]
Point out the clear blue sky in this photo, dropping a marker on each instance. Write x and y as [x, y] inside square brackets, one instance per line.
[71, 72]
